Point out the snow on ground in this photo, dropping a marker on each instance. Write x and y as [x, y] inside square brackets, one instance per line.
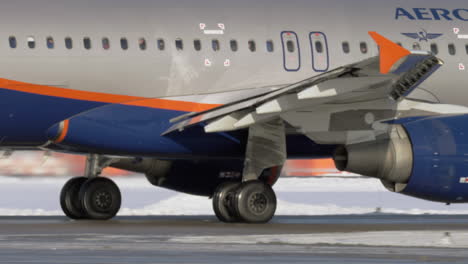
[29, 212]
[183, 204]
[296, 196]
[329, 184]
[382, 238]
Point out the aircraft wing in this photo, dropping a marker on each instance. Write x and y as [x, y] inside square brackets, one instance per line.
[394, 74]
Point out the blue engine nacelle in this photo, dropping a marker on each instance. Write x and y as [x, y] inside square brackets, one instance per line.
[425, 158]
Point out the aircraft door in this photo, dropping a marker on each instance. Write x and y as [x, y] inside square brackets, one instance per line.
[291, 51]
[320, 54]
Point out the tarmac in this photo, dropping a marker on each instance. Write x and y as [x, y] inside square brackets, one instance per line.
[372, 238]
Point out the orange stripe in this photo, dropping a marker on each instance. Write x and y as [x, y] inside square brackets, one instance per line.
[173, 105]
[64, 132]
[104, 97]
[65, 93]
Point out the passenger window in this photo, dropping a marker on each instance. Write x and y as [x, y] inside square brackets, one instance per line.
[319, 46]
[68, 43]
[50, 42]
[252, 46]
[142, 43]
[197, 45]
[452, 49]
[346, 48]
[161, 44]
[290, 46]
[124, 43]
[13, 43]
[399, 44]
[179, 44]
[434, 48]
[87, 43]
[466, 48]
[31, 42]
[270, 46]
[105, 43]
[363, 47]
[234, 46]
[215, 44]
[416, 46]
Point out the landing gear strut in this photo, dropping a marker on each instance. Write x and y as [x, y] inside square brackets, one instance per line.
[91, 197]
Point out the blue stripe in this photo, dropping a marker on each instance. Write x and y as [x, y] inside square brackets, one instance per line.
[25, 117]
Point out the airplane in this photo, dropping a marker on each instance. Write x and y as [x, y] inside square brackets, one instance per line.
[210, 97]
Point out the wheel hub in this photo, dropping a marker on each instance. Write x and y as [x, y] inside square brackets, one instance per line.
[258, 203]
[103, 200]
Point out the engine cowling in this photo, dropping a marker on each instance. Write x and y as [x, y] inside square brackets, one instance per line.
[426, 158]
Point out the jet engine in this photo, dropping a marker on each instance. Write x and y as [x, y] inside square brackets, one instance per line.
[425, 158]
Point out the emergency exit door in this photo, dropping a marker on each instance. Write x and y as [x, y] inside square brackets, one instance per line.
[291, 51]
[320, 55]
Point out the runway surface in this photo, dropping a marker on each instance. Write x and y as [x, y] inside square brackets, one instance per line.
[339, 226]
[373, 238]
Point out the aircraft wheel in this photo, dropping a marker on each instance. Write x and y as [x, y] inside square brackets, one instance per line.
[255, 202]
[222, 202]
[70, 199]
[100, 198]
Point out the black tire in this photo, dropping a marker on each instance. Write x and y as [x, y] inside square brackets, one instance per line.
[100, 198]
[70, 198]
[255, 202]
[223, 202]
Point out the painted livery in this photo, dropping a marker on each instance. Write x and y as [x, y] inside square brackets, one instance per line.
[432, 14]
[211, 97]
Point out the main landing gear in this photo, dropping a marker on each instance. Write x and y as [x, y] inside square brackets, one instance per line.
[91, 197]
[250, 202]
[253, 200]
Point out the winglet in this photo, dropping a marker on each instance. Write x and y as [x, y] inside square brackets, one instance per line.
[390, 52]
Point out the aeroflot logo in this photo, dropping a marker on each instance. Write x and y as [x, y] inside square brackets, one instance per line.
[431, 14]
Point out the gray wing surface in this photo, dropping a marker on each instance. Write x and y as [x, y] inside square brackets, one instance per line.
[361, 82]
